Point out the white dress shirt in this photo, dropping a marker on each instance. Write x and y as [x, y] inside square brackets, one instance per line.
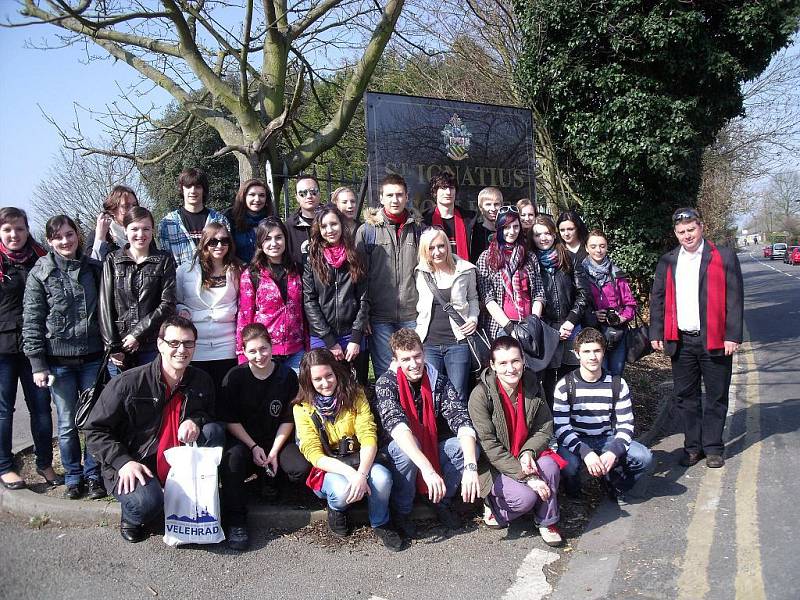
[687, 288]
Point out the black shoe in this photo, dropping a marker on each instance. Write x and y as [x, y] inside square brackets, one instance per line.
[446, 516]
[405, 526]
[57, 480]
[714, 461]
[238, 539]
[132, 533]
[74, 492]
[690, 459]
[96, 489]
[337, 522]
[14, 485]
[389, 537]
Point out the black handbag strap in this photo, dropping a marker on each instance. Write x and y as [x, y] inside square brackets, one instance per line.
[102, 372]
[446, 306]
[323, 435]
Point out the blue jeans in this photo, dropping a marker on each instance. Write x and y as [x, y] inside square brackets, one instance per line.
[628, 470]
[137, 359]
[334, 490]
[292, 360]
[454, 361]
[404, 473]
[614, 360]
[68, 383]
[15, 368]
[379, 344]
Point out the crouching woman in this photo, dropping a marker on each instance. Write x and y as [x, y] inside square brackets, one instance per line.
[337, 435]
[518, 472]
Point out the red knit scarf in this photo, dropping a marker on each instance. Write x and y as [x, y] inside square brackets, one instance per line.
[462, 249]
[515, 418]
[716, 291]
[335, 255]
[168, 436]
[399, 220]
[424, 430]
[19, 257]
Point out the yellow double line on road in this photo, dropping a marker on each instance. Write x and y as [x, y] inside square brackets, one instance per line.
[749, 585]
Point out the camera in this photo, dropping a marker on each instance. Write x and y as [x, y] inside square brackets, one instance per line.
[347, 445]
[612, 317]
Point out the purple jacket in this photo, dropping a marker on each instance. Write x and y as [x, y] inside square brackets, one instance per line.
[617, 296]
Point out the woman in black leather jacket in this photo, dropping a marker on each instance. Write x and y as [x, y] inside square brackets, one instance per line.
[335, 287]
[567, 299]
[137, 294]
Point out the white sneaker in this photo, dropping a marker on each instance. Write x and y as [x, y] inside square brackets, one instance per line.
[489, 519]
[551, 535]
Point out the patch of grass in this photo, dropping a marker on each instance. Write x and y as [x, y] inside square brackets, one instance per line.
[38, 521]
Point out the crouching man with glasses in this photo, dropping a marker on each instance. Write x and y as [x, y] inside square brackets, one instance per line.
[142, 413]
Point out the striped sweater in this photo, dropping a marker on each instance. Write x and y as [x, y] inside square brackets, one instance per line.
[590, 414]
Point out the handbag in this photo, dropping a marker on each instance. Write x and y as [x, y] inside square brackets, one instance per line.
[477, 342]
[614, 335]
[351, 455]
[638, 339]
[88, 397]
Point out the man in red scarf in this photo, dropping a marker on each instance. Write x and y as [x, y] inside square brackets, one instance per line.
[696, 316]
[425, 433]
[456, 222]
[143, 412]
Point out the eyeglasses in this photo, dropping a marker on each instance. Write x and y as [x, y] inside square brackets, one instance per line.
[218, 242]
[507, 208]
[188, 344]
[685, 215]
[304, 193]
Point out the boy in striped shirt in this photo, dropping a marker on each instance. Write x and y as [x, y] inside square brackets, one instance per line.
[593, 421]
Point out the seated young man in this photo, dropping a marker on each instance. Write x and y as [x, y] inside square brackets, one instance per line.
[594, 423]
[419, 411]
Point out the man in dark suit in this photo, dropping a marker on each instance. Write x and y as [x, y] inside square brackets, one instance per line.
[696, 316]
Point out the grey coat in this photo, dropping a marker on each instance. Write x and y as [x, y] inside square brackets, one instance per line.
[60, 310]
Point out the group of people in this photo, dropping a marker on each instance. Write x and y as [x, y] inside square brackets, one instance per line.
[243, 331]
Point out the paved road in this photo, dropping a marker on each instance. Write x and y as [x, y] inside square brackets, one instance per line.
[724, 533]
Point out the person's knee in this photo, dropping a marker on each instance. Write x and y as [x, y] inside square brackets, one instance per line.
[639, 457]
[380, 479]
[402, 463]
[144, 503]
[451, 449]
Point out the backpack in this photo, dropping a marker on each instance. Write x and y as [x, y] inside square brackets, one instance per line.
[616, 387]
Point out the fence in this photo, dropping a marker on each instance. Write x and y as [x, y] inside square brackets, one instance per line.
[328, 180]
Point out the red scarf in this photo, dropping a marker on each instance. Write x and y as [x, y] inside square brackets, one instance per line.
[30, 249]
[462, 249]
[335, 255]
[515, 418]
[716, 292]
[399, 220]
[168, 436]
[425, 430]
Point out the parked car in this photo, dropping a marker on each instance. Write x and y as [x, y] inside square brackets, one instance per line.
[787, 256]
[767, 251]
[778, 250]
[794, 257]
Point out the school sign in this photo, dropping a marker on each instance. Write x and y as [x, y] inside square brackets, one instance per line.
[480, 144]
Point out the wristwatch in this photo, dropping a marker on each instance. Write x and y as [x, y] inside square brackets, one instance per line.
[470, 467]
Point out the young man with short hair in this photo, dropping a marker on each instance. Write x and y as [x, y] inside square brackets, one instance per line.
[180, 230]
[142, 413]
[593, 418]
[299, 223]
[389, 238]
[456, 222]
[420, 412]
[490, 199]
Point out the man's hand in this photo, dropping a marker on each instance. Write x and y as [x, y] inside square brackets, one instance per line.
[594, 465]
[259, 456]
[129, 474]
[528, 464]
[657, 345]
[470, 486]
[40, 378]
[540, 487]
[435, 483]
[118, 358]
[272, 462]
[730, 347]
[129, 344]
[609, 459]
[337, 352]
[188, 432]
[566, 330]
[351, 352]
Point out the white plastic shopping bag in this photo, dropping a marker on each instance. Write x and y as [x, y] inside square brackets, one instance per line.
[191, 496]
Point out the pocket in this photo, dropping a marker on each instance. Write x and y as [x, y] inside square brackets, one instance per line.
[56, 324]
[143, 411]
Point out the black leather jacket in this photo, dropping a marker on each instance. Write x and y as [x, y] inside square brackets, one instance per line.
[338, 308]
[12, 290]
[574, 296]
[125, 423]
[135, 299]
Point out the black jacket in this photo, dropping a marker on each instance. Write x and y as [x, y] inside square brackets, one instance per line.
[573, 294]
[297, 244]
[335, 309]
[135, 299]
[125, 423]
[12, 290]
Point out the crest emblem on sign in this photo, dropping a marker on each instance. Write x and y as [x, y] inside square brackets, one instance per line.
[457, 138]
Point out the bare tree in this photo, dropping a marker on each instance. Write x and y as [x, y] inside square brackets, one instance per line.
[255, 62]
[783, 193]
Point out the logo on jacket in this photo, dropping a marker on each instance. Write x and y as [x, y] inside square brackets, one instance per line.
[275, 408]
[457, 138]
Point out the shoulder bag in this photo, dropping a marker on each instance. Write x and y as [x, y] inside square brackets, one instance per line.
[638, 339]
[88, 397]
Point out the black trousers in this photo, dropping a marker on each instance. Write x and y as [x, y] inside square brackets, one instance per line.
[703, 419]
[237, 465]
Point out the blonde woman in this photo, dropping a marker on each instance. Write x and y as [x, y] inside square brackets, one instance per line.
[455, 280]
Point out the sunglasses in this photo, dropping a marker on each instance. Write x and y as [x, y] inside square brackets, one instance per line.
[218, 242]
[188, 344]
[507, 208]
[685, 215]
[304, 193]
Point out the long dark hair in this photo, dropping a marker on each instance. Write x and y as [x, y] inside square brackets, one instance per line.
[580, 226]
[497, 258]
[564, 257]
[316, 245]
[239, 209]
[203, 257]
[346, 387]
[260, 260]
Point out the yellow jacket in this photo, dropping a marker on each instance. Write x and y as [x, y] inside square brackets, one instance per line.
[357, 422]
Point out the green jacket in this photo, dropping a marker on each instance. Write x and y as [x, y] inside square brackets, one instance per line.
[486, 411]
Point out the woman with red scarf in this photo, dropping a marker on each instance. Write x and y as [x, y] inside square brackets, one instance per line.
[518, 472]
[18, 253]
[335, 287]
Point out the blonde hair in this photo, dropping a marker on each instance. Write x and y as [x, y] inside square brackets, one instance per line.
[526, 202]
[425, 241]
[490, 193]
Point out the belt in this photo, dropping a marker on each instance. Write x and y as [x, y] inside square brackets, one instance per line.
[689, 333]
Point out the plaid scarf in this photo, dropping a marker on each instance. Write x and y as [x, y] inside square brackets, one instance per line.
[326, 406]
[515, 279]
